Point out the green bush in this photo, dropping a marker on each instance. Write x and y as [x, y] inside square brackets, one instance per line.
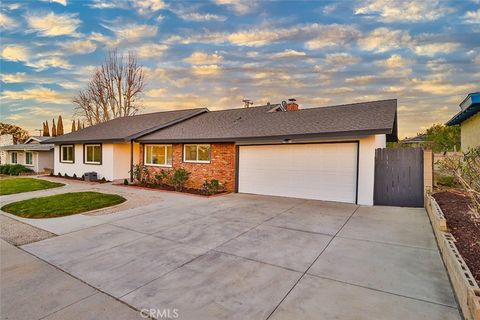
[162, 176]
[66, 175]
[74, 176]
[211, 187]
[179, 178]
[447, 181]
[59, 174]
[14, 169]
[125, 182]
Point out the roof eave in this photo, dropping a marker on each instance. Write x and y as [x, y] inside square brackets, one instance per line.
[342, 134]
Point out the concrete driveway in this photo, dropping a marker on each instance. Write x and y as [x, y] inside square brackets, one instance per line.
[255, 257]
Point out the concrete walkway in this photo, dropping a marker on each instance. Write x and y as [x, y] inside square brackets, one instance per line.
[255, 257]
[33, 289]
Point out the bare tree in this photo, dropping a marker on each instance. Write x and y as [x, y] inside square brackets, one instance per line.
[114, 91]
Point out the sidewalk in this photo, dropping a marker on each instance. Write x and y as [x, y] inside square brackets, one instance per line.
[33, 289]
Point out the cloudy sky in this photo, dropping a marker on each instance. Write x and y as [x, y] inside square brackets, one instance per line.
[215, 53]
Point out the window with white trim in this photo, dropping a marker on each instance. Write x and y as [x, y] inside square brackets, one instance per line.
[93, 154]
[158, 155]
[28, 158]
[14, 157]
[66, 153]
[196, 153]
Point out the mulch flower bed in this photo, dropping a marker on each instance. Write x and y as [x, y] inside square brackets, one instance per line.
[171, 188]
[461, 223]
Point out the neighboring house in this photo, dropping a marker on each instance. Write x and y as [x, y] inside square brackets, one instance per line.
[325, 153]
[5, 140]
[469, 120]
[32, 154]
[415, 142]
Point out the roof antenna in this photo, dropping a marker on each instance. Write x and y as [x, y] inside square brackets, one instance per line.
[247, 103]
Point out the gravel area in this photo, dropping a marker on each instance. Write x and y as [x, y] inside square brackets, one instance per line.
[464, 228]
[19, 233]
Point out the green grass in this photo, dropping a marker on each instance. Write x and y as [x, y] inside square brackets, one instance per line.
[62, 204]
[17, 185]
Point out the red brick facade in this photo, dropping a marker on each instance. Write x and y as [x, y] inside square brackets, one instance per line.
[221, 166]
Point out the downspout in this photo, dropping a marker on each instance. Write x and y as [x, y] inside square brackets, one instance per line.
[131, 161]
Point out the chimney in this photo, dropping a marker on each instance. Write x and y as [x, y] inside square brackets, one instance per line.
[292, 105]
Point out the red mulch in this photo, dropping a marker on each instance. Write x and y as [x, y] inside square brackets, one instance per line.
[454, 205]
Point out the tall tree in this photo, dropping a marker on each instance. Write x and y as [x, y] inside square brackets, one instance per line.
[78, 124]
[443, 138]
[60, 126]
[73, 126]
[54, 128]
[19, 135]
[46, 129]
[114, 91]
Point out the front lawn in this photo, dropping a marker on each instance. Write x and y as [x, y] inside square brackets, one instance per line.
[62, 204]
[17, 185]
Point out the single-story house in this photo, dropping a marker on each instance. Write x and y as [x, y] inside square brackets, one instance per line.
[325, 153]
[32, 154]
[469, 120]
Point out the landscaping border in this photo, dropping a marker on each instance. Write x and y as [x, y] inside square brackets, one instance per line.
[464, 285]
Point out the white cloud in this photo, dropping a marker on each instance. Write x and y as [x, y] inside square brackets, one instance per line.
[239, 6]
[156, 93]
[201, 17]
[318, 36]
[52, 62]
[132, 32]
[62, 2]
[331, 35]
[22, 77]
[148, 6]
[472, 16]
[39, 94]
[395, 66]
[384, 39]
[15, 53]
[109, 4]
[51, 24]
[18, 77]
[440, 87]
[341, 59]
[150, 50]
[432, 49]
[206, 70]
[360, 80]
[289, 53]
[80, 46]
[403, 10]
[199, 57]
[7, 22]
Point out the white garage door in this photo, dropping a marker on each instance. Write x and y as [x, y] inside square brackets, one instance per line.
[325, 171]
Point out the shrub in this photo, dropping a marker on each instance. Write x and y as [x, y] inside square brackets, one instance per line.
[125, 182]
[141, 174]
[466, 172]
[83, 177]
[179, 178]
[447, 181]
[103, 180]
[66, 175]
[59, 174]
[162, 176]
[51, 174]
[211, 187]
[74, 176]
[14, 170]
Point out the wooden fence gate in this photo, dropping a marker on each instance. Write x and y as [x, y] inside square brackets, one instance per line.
[399, 177]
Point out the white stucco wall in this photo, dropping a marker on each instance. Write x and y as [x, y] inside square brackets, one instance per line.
[115, 162]
[45, 161]
[366, 165]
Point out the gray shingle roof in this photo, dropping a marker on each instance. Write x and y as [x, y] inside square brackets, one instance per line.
[126, 128]
[376, 117]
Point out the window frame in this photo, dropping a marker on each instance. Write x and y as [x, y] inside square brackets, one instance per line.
[197, 145]
[166, 165]
[26, 158]
[61, 153]
[85, 146]
[16, 157]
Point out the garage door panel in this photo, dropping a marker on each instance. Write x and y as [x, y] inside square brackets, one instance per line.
[311, 171]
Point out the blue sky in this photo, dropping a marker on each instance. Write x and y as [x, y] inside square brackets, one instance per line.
[216, 53]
